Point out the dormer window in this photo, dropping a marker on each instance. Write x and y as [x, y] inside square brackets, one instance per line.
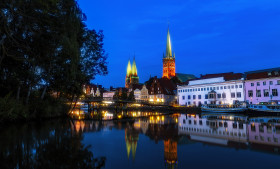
[269, 73]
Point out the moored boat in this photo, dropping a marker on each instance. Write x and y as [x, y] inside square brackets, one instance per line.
[223, 108]
[273, 108]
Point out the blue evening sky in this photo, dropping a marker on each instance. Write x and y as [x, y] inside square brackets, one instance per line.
[208, 36]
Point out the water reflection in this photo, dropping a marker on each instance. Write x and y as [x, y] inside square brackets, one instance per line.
[49, 145]
[154, 141]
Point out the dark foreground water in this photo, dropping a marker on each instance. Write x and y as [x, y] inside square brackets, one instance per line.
[175, 141]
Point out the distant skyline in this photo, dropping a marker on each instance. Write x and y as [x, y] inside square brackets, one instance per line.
[207, 36]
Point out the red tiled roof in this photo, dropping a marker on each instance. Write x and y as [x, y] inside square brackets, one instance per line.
[266, 73]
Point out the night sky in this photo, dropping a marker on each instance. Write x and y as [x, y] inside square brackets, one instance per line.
[208, 36]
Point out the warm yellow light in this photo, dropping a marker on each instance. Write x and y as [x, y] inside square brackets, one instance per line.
[119, 116]
[176, 120]
[162, 118]
[157, 117]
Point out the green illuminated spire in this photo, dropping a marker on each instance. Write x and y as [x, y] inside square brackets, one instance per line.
[134, 69]
[168, 45]
[128, 69]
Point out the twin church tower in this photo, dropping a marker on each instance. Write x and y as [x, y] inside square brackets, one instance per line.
[168, 66]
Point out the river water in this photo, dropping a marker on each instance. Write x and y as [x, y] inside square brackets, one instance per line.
[156, 141]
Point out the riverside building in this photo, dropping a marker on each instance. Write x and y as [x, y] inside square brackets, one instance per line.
[224, 88]
[262, 86]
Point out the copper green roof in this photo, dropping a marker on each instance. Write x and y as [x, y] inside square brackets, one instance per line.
[168, 45]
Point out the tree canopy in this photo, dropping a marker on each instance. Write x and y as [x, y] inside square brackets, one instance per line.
[45, 46]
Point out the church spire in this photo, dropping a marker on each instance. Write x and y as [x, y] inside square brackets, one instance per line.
[128, 69]
[168, 45]
[134, 69]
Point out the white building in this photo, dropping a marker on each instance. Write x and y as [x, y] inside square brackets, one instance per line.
[211, 91]
[137, 94]
[108, 94]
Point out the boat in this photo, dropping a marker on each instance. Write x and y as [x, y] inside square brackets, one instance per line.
[223, 108]
[272, 108]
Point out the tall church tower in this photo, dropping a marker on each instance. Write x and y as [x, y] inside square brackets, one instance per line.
[131, 74]
[168, 60]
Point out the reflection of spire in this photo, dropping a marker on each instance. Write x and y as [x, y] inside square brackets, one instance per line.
[134, 146]
[128, 147]
[131, 138]
[170, 153]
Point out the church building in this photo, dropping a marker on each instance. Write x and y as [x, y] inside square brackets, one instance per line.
[131, 74]
[168, 60]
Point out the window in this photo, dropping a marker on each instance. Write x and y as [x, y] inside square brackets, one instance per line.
[225, 87]
[205, 102]
[193, 96]
[238, 94]
[232, 95]
[252, 84]
[219, 96]
[250, 93]
[225, 124]
[198, 89]
[183, 97]
[258, 83]
[206, 96]
[211, 96]
[211, 88]
[194, 103]
[253, 127]
[224, 95]
[264, 83]
[240, 86]
[278, 82]
[259, 93]
[265, 93]
[189, 103]
[236, 86]
[217, 88]
[190, 122]
[189, 97]
[274, 92]
[200, 122]
[270, 82]
[199, 96]
[207, 88]
[184, 121]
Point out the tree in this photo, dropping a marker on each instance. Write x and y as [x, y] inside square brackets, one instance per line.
[45, 46]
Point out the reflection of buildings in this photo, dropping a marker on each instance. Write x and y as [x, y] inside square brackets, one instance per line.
[214, 129]
[264, 132]
[131, 139]
[170, 153]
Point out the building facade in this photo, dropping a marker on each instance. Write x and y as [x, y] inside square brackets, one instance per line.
[168, 60]
[226, 89]
[262, 86]
[131, 74]
[161, 91]
[144, 93]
